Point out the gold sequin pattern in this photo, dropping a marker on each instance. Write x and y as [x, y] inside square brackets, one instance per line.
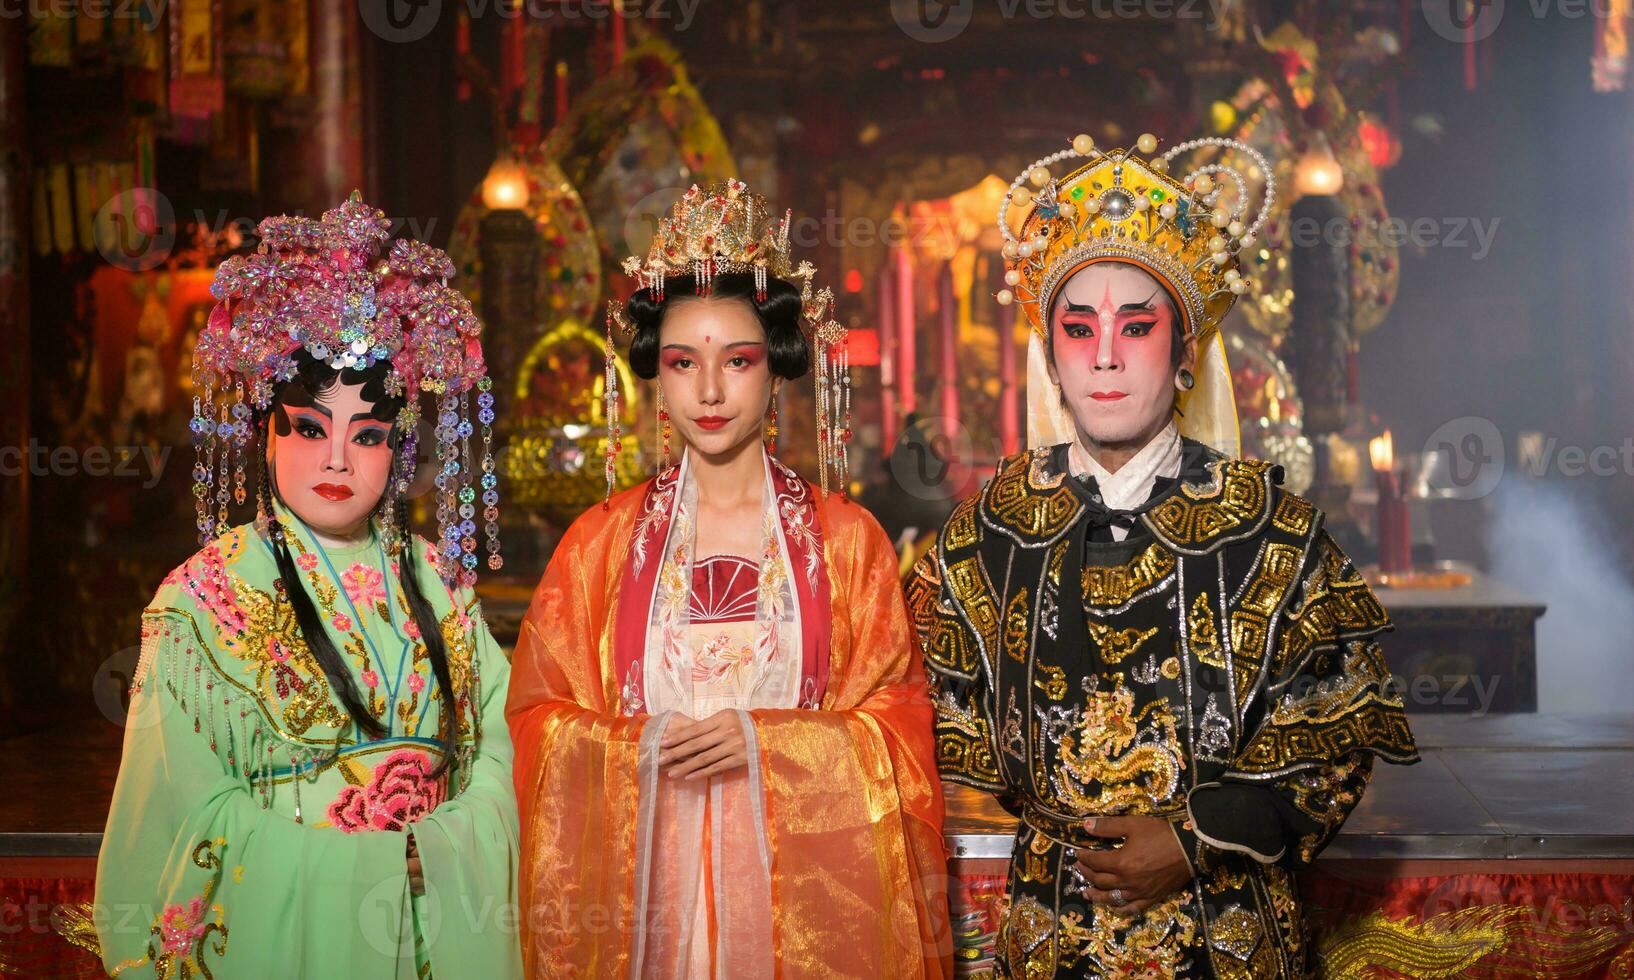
[1237, 946]
[1252, 614]
[968, 584]
[1294, 515]
[1120, 757]
[1204, 637]
[961, 530]
[1016, 623]
[1499, 940]
[1201, 515]
[1332, 716]
[1116, 645]
[1027, 938]
[1336, 603]
[944, 640]
[1026, 502]
[1114, 585]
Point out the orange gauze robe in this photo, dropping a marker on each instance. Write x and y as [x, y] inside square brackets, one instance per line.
[852, 801]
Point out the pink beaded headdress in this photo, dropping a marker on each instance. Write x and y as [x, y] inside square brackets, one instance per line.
[323, 286]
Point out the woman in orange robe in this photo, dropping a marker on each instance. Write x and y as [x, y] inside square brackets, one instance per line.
[724, 760]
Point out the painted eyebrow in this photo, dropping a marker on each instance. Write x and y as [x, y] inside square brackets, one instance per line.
[1145, 307]
[731, 346]
[318, 407]
[1142, 307]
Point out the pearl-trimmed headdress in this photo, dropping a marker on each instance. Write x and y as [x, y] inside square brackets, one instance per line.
[1124, 206]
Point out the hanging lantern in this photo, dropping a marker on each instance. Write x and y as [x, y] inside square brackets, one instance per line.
[506, 186]
[1318, 171]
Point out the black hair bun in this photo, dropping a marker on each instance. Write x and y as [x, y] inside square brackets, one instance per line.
[787, 352]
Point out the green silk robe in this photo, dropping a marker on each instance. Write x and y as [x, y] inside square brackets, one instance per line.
[256, 832]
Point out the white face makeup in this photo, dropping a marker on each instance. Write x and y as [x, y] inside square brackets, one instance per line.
[714, 369]
[1112, 330]
[332, 460]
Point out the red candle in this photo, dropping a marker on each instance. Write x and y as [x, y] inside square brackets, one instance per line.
[948, 311]
[905, 330]
[1390, 517]
[561, 90]
[1009, 430]
[1403, 547]
[1383, 519]
[462, 47]
[516, 36]
[886, 300]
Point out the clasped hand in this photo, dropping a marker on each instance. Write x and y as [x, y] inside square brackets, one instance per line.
[700, 749]
[1147, 868]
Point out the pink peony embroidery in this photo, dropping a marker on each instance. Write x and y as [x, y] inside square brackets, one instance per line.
[183, 926]
[411, 628]
[342, 622]
[371, 678]
[363, 585]
[400, 792]
[307, 561]
[416, 683]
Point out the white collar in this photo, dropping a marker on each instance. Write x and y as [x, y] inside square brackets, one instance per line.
[1131, 485]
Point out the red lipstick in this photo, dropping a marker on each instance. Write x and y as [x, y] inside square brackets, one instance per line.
[711, 422]
[330, 491]
[1108, 396]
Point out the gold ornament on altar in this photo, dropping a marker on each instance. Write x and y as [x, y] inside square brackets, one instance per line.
[1267, 111]
[1375, 267]
[723, 229]
[1124, 206]
[556, 427]
[1269, 409]
[567, 281]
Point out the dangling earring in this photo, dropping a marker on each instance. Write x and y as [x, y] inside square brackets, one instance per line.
[663, 428]
[615, 441]
[771, 427]
[1186, 380]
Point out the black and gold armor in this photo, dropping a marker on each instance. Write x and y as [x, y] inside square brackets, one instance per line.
[1218, 667]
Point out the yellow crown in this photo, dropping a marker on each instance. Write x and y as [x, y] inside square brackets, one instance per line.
[1121, 207]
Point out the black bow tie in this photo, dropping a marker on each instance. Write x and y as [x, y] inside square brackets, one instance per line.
[1101, 515]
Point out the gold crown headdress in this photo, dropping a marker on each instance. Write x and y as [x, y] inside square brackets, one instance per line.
[721, 229]
[1124, 207]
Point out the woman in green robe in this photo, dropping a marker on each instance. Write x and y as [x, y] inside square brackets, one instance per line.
[316, 771]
